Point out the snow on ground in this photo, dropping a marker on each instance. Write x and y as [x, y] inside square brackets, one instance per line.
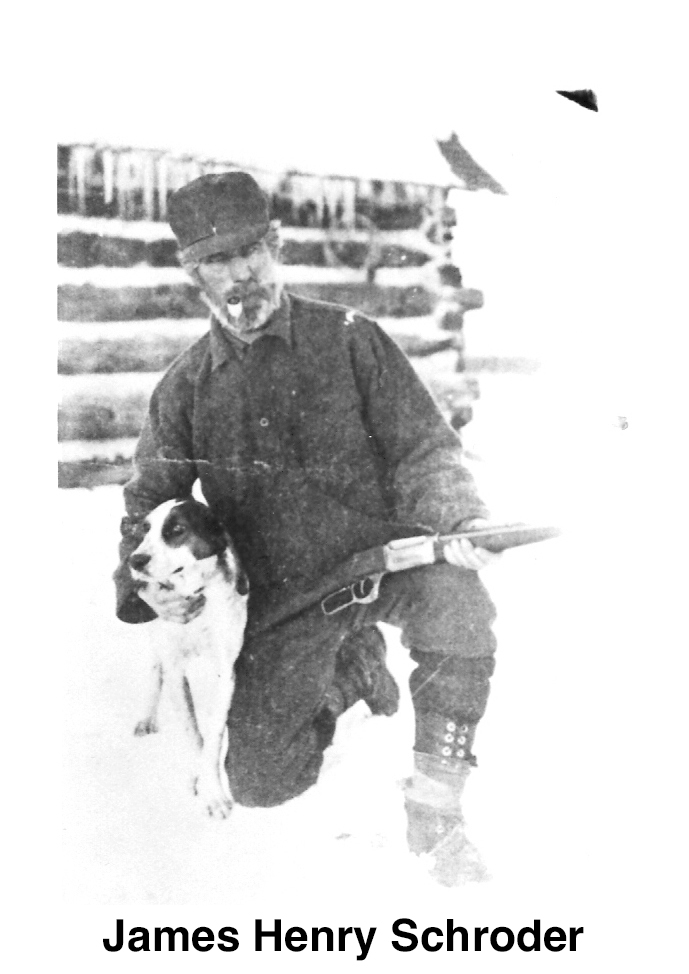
[133, 832]
[535, 806]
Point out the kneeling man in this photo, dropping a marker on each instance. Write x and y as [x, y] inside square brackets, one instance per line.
[313, 439]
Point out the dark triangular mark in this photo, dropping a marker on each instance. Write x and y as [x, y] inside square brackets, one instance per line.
[582, 96]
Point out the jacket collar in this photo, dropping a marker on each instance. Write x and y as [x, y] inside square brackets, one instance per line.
[223, 345]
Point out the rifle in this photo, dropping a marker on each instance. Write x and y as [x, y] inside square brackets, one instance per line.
[357, 580]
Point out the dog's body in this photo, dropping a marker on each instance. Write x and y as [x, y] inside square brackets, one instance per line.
[186, 551]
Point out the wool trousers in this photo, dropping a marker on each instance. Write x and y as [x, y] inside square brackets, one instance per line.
[278, 728]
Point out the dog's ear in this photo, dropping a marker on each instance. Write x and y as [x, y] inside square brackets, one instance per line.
[242, 582]
[242, 579]
[206, 531]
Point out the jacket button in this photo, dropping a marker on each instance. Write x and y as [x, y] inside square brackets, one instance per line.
[449, 738]
[451, 725]
[462, 739]
[446, 751]
[263, 422]
[460, 752]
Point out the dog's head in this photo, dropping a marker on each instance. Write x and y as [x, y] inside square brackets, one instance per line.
[184, 543]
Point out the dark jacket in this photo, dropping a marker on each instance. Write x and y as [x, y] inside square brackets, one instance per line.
[316, 441]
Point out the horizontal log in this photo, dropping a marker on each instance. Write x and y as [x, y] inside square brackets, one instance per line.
[351, 253]
[101, 418]
[88, 302]
[108, 407]
[93, 473]
[154, 352]
[103, 407]
[79, 249]
[149, 231]
[373, 300]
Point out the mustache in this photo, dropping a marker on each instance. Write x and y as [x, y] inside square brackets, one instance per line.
[241, 293]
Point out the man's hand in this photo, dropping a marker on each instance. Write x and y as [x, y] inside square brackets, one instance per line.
[462, 554]
[170, 605]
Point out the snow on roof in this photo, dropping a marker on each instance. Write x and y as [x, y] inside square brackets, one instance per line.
[369, 136]
[412, 158]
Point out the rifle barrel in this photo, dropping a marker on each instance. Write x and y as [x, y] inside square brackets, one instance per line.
[501, 537]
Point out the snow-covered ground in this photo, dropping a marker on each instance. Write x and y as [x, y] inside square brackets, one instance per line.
[133, 834]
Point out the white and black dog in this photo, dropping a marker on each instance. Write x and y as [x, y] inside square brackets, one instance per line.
[187, 551]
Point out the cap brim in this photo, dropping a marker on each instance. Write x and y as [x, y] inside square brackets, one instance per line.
[220, 243]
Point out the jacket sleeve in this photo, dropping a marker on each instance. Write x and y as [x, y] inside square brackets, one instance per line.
[422, 454]
[163, 469]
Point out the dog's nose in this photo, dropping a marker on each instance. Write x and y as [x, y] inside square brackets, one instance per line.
[139, 562]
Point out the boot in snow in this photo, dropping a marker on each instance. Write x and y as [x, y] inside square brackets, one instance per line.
[435, 822]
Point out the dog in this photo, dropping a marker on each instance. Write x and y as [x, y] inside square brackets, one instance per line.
[187, 550]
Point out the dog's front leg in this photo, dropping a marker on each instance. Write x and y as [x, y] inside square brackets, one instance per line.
[183, 701]
[204, 782]
[149, 724]
[209, 784]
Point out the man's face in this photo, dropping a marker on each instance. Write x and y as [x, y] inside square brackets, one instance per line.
[243, 286]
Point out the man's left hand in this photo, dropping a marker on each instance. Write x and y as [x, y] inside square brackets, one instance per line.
[463, 554]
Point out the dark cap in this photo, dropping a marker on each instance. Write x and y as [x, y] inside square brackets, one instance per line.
[218, 212]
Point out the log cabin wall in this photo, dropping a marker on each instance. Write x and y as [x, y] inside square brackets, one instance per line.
[126, 309]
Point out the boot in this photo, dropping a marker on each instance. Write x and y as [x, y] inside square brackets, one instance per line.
[435, 822]
[361, 674]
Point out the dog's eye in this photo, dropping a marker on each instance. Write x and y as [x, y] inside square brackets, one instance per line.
[177, 529]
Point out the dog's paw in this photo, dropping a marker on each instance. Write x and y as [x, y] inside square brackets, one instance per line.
[146, 726]
[213, 799]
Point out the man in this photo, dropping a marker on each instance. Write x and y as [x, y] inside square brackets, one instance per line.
[313, 438]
